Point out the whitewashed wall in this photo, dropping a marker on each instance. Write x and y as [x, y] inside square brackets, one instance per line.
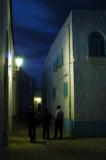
[89, 75]
[57, 79]
[3, 31]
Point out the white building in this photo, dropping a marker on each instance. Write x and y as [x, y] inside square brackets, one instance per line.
[6, 63]
[75, 73]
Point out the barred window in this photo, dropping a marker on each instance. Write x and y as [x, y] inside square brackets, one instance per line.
[96, 44]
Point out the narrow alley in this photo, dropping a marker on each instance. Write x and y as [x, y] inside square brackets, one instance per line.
[73, 149]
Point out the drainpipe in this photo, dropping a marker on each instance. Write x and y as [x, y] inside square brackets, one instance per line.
[71, 82]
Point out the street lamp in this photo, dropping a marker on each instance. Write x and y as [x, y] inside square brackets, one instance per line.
[18, 62]
[37, 99]
[37, 104]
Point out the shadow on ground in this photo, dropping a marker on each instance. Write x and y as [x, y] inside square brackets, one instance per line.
[73, 149]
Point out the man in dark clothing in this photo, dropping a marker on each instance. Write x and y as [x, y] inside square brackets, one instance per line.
[46, 120]
[31, 119]
[59, 118]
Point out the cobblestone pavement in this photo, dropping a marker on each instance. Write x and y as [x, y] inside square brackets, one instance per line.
[66, 149]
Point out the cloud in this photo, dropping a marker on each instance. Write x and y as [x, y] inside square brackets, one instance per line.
[35, 35]
[31, 42]
[36, 24]
[30, 13]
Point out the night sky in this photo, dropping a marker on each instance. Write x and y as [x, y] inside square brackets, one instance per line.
[36, 24]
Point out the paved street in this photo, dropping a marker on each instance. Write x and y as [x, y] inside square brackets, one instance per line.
[72, 149]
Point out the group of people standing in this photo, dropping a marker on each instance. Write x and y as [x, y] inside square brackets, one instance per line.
[46, 117]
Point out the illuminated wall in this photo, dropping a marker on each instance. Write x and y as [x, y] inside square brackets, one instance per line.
[89, 75]
[3, 32]
[58, 73]
[78, 84]
[6, 54]
[10, 70]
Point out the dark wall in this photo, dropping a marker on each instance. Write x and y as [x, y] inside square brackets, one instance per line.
[25, 88]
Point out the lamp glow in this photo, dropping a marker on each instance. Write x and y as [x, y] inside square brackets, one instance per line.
[19, 62]
[38, 99]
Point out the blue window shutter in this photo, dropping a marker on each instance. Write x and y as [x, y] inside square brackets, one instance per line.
[54, 93]
[61, 60]
[57, 62]
[54, 66]
[65, 89]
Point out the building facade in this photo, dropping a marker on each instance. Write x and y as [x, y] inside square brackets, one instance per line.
[25, 87]
[2, 53]
[6, 61]
[75, 73]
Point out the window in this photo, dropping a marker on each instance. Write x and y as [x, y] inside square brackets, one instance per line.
[54, 66]
[96, 44]
[54, 93]
[58, 61]
[65, 89]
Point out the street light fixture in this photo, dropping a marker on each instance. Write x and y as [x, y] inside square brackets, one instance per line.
[37, 99]
[18, 62]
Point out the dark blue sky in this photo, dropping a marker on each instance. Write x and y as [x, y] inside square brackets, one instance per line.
[36, 24]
